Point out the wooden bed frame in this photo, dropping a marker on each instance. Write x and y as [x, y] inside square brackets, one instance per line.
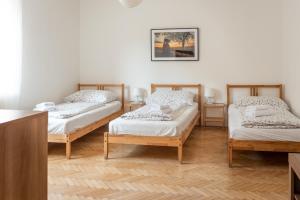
[177, 141]
[69, 138]
[253, 145]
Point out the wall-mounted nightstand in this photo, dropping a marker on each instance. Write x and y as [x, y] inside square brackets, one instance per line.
[214, 114]
[131, 106]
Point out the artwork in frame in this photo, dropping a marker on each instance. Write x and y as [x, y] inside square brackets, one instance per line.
[175, 44]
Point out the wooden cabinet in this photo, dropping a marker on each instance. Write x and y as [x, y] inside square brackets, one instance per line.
[23, 155]
[294, 166]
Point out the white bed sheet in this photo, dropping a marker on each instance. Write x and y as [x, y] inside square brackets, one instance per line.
[175, 127]
[237, 131]
[66, 126]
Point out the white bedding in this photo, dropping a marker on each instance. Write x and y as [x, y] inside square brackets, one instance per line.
[66, 126]
[148, 113]
[175, 127]
[276, 118]
[237, 131]
[67, 110]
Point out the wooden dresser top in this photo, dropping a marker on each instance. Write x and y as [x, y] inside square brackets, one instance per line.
[294, 161]
[9, 116]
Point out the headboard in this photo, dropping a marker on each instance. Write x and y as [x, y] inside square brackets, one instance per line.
[101, 86]
[196, 87]
[254, 90]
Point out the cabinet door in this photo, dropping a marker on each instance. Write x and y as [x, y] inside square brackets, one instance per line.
[23, 158]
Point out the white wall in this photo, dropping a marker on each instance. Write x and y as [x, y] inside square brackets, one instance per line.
[240, 42]
[291, 52]
[50, 50]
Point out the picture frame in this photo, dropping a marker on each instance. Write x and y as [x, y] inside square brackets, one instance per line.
[175, 44]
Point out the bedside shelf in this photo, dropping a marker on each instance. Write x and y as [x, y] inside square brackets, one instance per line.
[220, 119]
[131, 105]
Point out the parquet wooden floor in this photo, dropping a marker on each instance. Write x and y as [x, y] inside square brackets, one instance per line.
[139, 172]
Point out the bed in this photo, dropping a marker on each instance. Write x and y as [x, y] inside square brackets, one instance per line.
[70, 129]
[257, 139]
[172, 133]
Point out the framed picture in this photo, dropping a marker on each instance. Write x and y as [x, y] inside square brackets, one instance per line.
[175, 44]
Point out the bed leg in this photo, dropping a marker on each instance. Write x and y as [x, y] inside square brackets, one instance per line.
[105, 145]
[180, 149]
[68, 150]
[230, 152]
[199, 121]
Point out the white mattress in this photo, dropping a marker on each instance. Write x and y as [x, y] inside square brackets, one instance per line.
[237, 131]
[154, 128]
[66, 126]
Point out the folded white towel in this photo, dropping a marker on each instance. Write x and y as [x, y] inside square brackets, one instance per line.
[166, 109]
[259, 107]
[49, 109]
[146, 113]
[259, 113]
[159, 107]
[45, 105]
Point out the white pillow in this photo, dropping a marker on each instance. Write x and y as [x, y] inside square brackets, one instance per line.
[91, 96]
[261, 100]
[171, 97]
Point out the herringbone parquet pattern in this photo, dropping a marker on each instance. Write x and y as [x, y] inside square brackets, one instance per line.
[139, 172]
